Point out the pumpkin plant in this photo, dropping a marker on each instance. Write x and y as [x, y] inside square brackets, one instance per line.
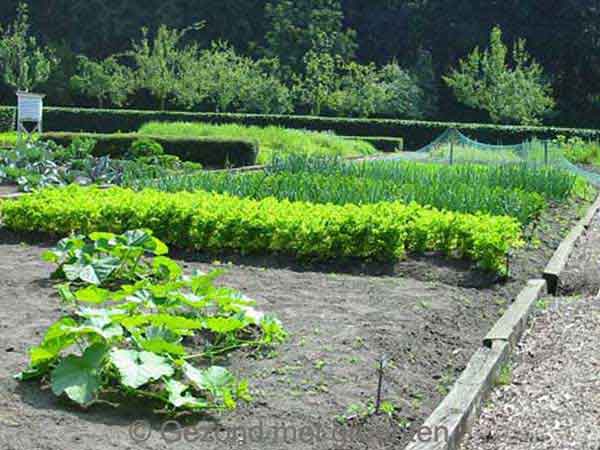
[139, 326]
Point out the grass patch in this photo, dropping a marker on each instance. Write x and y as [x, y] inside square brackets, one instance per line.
[273, 141]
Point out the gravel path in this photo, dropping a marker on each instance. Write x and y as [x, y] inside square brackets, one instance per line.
[552, 401]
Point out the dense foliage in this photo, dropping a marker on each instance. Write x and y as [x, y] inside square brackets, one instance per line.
[564, 39]
[206, 221]
[516, 94]
[136, 325]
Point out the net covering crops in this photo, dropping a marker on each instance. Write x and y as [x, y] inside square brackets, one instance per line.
[453, 147]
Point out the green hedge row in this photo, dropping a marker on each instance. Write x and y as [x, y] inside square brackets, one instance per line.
[202, 220]
[211, 152]
[415, 133]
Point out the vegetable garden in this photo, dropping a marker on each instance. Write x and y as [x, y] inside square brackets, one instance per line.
[242, 294]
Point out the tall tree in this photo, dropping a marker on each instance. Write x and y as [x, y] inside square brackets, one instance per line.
[159, 61]
[297, 27]
[23, 63]
[484, 80]
[105, 80]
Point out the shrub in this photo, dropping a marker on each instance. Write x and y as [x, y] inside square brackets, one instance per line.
[7, 120]
[212, 152]
[145, 147]
[207, 221]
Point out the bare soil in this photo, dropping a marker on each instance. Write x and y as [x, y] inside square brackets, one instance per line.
[426, 315]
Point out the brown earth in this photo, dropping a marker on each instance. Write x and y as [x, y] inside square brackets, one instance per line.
[423, 314]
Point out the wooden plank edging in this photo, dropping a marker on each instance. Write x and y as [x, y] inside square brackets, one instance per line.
[556, 266]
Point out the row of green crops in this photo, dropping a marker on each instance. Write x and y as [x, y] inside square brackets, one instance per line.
[550, 182]
[518, 191]
[273, 141]
[341, 190]
[208, 221]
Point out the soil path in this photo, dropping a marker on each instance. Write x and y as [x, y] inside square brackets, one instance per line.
[552, 401]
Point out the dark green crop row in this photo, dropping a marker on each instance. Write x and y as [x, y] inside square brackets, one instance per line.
[415, 133]
[206, 221]
[518, 191]
[341, 190]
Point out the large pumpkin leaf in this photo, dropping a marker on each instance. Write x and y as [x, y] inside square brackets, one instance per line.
[138, 368]
[223, 325]
[93, 294]
[178, 399]
[79, 376]
[214, 379]
[160, 346]
[96, 271]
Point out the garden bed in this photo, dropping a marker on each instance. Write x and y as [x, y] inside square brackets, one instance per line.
[424, 313]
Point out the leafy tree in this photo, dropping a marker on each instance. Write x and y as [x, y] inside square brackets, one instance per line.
[404, 97]
[365, 90]
[232, 82]
[427, 80]
[23, 63]
[105, 80]
[297, 27]
[359, 92]
[159, 61]
[485, 81]
[318, 82]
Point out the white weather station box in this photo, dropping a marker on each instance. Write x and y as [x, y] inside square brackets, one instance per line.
[29, 110]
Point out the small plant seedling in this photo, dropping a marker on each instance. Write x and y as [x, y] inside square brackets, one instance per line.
[504, 378]
[542, 304]
[425, 305]
[319, 364]
[358, 343]
[387, 408]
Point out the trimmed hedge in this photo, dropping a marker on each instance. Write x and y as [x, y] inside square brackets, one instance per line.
[211, 152]
[209, 221]
[383, 144]
[415, 133]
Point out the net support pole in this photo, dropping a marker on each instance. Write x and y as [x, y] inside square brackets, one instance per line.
[546, 152]
[451, 152]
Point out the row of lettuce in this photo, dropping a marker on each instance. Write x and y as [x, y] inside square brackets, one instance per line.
[209, 221]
